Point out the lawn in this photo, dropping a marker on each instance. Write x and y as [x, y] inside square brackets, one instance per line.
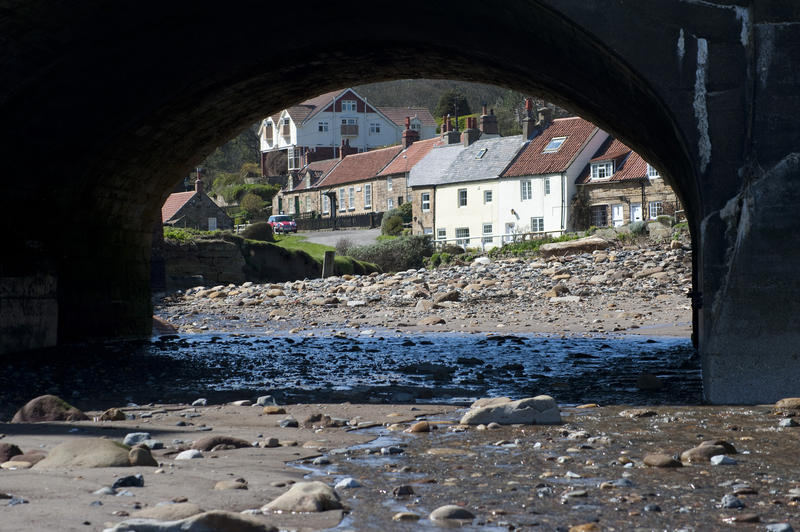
[317, 251]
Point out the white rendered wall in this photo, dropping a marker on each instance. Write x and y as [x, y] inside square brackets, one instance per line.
[449, 215]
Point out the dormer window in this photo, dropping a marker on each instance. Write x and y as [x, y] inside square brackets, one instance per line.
[348, 105]
[554, 144]
[602, 170]
[652, 171]
[415, 125]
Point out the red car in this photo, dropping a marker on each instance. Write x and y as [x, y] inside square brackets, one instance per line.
[282, 223]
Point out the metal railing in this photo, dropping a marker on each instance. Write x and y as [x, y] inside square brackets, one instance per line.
[367, 219]
[495, 240]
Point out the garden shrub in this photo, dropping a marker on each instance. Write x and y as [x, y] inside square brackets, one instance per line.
[261, 231]
[392, 224]
[638, 228]
[343, 245]
[395, 255]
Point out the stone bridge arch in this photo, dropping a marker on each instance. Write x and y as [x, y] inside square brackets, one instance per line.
[105, 107]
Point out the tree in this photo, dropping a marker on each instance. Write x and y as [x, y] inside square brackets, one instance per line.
[452, 102]
[252, 203]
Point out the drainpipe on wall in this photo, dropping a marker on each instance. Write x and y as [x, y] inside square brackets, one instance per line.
[644, 204]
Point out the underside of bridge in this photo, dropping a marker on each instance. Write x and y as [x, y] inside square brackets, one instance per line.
[107, 106]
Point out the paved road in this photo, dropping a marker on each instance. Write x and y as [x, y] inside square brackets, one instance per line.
[361, 237]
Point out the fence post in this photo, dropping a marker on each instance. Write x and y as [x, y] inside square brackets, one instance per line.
[327, 263]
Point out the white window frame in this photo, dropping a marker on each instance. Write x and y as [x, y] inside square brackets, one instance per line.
[462, 234]
[351, 198]
[389, 204]
[326, 204]
[659, 209]
[487, 196]
[286, 121]
[554, 145]
[375, 128]
[525, 190]
[368, 196]
[342, 203]
[487, 230]
[602, 170]
[546, 186]
[462, 203]
[389, 184]
[425, 201]
[652, 172]
[441, 233]
[349, 121]
[427, 230]
[323, 126]
[349, 106]
[294, 158]
[415, 125]
[537, 224]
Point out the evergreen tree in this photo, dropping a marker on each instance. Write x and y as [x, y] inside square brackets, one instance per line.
[452, 102]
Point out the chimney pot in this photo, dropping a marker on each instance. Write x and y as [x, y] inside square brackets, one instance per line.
[198, 185]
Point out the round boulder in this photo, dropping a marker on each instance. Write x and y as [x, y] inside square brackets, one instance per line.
[7, 450]
[87, 452]
[312, 496]
[210, 442]
[48, 408]
[451, 512]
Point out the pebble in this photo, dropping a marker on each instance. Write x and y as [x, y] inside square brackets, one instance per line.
[779, 527]
[288, 423]
[451, 512]
[133, 438]
[189, 454]
[731, 501]
[130, 481]
[200, 402]
[347, 483]
[405, 516]
[788, 422]
[721, 459]
[661, 460]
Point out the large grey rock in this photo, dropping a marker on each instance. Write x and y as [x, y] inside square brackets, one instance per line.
[132, 438]
[214, 521]
[312, 496]
[539, 410]
[572, 247]
[209, 442]
[87, 452]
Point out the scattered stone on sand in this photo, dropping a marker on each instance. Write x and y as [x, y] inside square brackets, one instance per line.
[189, 454]
[721, 459]
[169, 512]
[314, 496]
[420, 426]
[48, 408]
[7, 451]
[200, 402]
[661, 460]
[86, 452]
[132, 438]
[217, 520]
[539, 410]
[451, 512]
[130, 481]
[140, 455]
[431, 320]
[113, 414]
[635, 413]
[586, 527]
[788, 404]
[272, 410]
[581, 245]
[212, 442]
[235, 484]
[707, 449]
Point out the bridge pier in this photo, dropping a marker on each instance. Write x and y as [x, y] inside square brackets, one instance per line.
[750, 334]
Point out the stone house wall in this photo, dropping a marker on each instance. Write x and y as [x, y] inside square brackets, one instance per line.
[420, 218]
[623, 193]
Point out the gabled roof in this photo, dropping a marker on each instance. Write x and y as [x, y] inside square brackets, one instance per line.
[298, 113]
[174, 203]
[434, 165]
[360, 166]
[318, 170]
[628, 165]
[532, 161]
[471, 166]
[411, 156]
[398, 115]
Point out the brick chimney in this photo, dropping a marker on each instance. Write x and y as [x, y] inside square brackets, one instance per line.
[545, 117]
[198, 185]
[448, 135]
[409, 135]
[471, 133]
[346, 149]
[528, 123]
[489, 123]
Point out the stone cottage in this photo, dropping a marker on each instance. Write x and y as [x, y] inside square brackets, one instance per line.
[194, 209]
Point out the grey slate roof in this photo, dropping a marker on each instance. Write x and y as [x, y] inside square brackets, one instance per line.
[456, 164]
[434, 165]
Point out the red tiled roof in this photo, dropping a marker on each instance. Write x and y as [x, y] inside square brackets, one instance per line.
[398, 115]
[302, 110]
[318, 169]
[360, 166]
[410, 157]
[174, 203]
[531, 161]
[628, 165]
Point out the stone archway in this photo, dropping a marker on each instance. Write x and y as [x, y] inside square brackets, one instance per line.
[106, 107]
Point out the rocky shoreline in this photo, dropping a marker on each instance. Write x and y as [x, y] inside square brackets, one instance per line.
[627, 289]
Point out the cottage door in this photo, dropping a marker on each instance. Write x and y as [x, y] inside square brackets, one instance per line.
[636, 212]
[616, 215]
